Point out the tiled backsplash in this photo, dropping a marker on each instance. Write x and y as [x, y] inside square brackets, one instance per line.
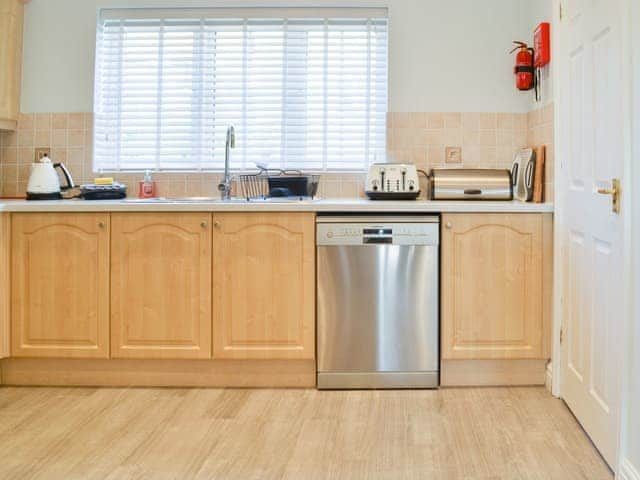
[487, 140]
[541, 132]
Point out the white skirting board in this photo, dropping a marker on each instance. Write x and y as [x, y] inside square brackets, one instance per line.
[627, 471]
[548, 378]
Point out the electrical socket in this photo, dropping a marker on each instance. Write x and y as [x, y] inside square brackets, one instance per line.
[453, 155]
[41, 152]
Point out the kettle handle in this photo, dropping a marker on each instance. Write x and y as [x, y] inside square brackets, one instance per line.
[67, 176]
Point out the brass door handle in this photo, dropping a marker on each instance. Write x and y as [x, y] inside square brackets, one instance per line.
[204, 224]
[614, 191]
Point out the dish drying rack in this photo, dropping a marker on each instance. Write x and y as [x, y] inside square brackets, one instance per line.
[259, 185]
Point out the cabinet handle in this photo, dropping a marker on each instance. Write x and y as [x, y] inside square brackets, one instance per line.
[217, 225]
[101, 225]
[204, 224]
[448, 226]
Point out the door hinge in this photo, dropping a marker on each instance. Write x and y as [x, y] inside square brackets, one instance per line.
[561, 12]
[561, 335]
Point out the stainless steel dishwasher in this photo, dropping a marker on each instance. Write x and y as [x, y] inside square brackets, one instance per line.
[378, 316]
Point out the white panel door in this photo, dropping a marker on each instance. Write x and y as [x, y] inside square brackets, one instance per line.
[592, 155]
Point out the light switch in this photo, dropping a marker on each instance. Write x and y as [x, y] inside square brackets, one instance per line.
[453, 155]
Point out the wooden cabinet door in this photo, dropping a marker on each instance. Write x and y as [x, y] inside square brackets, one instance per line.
[264, 286]
[11, 19]
[491, 280]
[161, 285]
[5, 288]
[60, 285]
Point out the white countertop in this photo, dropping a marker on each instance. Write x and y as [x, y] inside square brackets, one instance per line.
[320, 205]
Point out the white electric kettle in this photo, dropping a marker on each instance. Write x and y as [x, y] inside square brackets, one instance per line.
[44, 183]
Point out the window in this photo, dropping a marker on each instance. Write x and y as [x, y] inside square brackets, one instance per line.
[304, 88]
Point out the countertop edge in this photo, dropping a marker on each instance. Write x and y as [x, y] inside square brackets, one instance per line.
[318, 206]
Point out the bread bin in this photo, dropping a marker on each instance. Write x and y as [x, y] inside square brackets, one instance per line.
[471, 184]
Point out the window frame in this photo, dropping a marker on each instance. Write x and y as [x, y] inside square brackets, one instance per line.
[286, 13]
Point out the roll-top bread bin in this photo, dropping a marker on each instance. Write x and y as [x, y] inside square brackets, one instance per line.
[471, 184]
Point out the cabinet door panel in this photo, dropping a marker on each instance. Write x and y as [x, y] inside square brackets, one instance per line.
[60, 285]
[492, 272]
[264, 286]
[161, 285]
[11, 19]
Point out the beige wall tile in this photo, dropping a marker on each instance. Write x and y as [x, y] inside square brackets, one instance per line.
[59, 121]
[418, 119]
[75, 155]
[452, 120]
[26, 121]
[521, 121]
[43, 121]
[59, 154]
[26, 155]
[433, 137]
[9, 155]
[75, 121]
[435, 120]
[58, 138]
[88, 120]
[505, 121]
[26, 138]
[401, 120]
[452, 137]
[488, 121]
[10, 139]
[471, 121]
[75, 138]
[487, 138]
[504, 138]
[42, 138]
[470, 137]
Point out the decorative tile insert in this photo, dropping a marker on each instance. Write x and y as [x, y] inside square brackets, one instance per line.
[487, 140]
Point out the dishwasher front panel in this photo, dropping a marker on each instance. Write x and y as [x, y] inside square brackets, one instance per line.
[378, 316]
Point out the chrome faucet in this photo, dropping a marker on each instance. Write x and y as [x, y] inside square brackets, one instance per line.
[225, 186]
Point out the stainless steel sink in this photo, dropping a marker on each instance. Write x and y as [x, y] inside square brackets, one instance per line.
[182, 200]
[218, 200]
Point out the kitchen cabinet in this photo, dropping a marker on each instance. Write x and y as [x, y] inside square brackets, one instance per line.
[11, 21]
[264, 285]
[161, 285]
[495, 281]
[5, 277]
[60, 285]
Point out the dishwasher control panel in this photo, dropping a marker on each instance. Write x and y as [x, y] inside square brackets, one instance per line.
[375, 233]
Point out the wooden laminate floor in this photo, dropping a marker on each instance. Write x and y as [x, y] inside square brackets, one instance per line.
[488, 433]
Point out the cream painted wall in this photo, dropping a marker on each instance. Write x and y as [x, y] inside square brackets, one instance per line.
[445, 55]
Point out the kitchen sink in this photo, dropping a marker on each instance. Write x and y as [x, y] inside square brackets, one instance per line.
[218, 200]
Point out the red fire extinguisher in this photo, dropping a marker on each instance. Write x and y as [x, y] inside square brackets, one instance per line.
[524, 70]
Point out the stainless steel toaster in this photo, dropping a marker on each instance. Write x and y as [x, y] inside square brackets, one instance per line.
[471, 184]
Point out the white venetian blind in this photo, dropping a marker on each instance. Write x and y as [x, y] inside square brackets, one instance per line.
[304, 88]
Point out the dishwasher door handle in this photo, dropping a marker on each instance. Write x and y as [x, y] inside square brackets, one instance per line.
[377, 240]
